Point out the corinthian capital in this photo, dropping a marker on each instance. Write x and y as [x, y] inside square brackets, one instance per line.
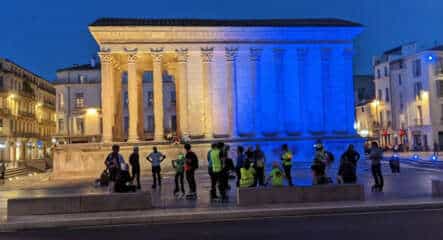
[231, 53]
[207, 54]
[279, 52]
[255, 54]
[157, 54]
[182, 54]
[106, 57]
[132, 57]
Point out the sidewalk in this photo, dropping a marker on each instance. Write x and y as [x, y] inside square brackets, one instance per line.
[411, 188]
[214, 214]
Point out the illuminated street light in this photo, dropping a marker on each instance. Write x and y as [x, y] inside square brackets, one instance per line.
[91, 111]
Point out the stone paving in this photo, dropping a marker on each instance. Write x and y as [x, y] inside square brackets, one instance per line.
[411, 183]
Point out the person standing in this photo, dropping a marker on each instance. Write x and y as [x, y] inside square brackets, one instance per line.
[2, 170]
[287, 163]
[212, 176]
[347, 171]
[134, 160]
[376, 155]
[191, 164]
[239, 164]
[247, 175]
[436, 148]
[179, 165]
[156, 158]
[259, 165]
[113, 163]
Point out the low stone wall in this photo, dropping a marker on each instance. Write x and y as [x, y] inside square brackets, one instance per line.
[437, 188]
[305, 194]
[68, 204]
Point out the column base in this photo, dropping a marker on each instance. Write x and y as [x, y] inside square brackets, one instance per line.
[133, 140]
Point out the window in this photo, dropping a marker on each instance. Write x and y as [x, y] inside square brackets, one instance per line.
[61, 125]
[386, 94]
[151, 123]
[401, 102]
[416, 68]
[173, 99]
[381, 118]
[82, 78]
[79, 100]
[378, 74]
[1, 123]
[439, 84]
[362, 109]
[1, 82]
[386, 71]
[399, 79]
[80, 126]
[417, 89]
[150, 98]
[61, 101]
[441, 113]
[380, 93]
[420, 115]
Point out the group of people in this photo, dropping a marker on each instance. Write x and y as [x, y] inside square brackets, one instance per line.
[248, 169]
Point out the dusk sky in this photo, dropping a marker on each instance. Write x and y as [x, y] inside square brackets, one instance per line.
[44, 35]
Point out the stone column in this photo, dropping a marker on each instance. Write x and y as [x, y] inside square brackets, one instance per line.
[133, 97]
[231, 55]
[302, 55]
[279, 96]
[181, 89]
[118, 116]
[108, 101]
[157, 55]
[254, 58]
[348, 53]
[206, 55]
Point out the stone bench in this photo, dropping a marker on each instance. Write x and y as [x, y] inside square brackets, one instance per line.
[302, 194]
[437, 188]
[68, 204]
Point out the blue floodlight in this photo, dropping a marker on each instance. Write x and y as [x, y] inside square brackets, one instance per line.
[434, 158]
[415, 157]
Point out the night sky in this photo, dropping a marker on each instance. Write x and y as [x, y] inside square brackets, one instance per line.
[44, 35]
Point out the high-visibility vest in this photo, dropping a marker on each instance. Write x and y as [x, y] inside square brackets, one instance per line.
[247, 177]
[287, 158]
[216, 162]
[277, 177]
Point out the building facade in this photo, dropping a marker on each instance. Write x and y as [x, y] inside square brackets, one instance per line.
[27, 115]
[364, 88]
[240, 81]
[79, 114]
[409, 97]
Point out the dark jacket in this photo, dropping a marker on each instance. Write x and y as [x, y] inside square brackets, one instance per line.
[191, 160]
[134, 160]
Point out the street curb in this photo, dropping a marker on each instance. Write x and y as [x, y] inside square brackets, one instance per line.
[210, 215]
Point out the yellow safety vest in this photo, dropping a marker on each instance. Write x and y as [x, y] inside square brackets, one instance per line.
[247, 177]
[215, 160]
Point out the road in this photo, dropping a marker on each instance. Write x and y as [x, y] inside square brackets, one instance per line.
[417, 224]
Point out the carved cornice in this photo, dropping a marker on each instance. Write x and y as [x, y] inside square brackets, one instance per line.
[157, 54]
[207, 54]
[182, 55]
[231, 53]
[255, 54]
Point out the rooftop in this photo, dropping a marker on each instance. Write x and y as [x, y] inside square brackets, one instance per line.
[314, 22]
[80, 67]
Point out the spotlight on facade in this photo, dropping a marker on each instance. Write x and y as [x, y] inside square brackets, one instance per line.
[2, 145]
[430, 58]
[415, 157]
[91, 111]
[54, 141]
[434, 158]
